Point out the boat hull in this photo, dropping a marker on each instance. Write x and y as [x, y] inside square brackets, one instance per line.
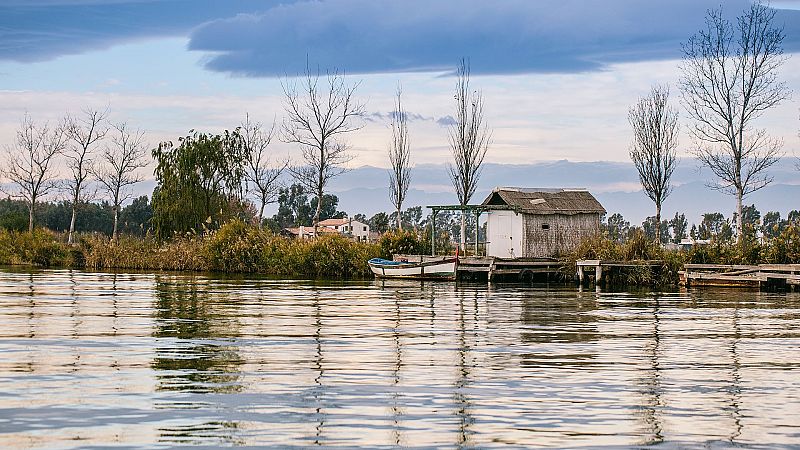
[431, 270]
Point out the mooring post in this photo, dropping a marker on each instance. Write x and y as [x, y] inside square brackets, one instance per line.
[433, 231]
[477, 216]
[598, 274]
[580, 275]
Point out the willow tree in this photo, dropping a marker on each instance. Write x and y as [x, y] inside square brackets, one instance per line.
[730, 78]
[84, 132]
[30, 163]
[469, 141]
[199, 182]
[262, 173]
[117, 165]
[655, 138]
[399, 159]
[318, 118]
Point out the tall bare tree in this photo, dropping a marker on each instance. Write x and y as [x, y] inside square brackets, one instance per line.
[318, 117]
[469, 141]
[30, 163]
[399, 158]
[263, 174]
[116, 169]
[655, 139]
[83, 132]
[730, 78]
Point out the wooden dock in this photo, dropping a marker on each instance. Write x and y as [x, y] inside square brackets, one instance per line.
[763, 276]
[602, 269]
[500, 269]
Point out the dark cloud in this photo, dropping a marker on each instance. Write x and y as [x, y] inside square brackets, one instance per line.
[502, 36]
[275, 37]
[37, 30]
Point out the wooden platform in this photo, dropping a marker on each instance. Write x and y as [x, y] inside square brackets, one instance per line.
[763, 276]
[494, 269]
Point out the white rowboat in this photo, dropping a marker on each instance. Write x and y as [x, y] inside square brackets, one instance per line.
[438, 269]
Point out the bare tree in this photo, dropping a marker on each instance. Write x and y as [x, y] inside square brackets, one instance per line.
[262, 174]
[118, 164]
[83, 132]
[30, 162]
[469, 141]
[399, 158]
[318, 118]
[655, 138]
[730, 78]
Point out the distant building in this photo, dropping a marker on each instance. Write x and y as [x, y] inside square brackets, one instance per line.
[532, 222]
[344, 226]
[349, 227]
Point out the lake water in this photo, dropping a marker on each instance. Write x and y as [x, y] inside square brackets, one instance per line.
[97, 360]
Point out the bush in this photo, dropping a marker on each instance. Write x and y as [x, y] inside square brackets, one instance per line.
[401, 242]
[40, 248]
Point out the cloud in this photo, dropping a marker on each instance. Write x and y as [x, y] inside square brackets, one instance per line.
[39, 30]
[503, 36]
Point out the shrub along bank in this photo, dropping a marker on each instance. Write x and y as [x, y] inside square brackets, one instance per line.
[235, 248]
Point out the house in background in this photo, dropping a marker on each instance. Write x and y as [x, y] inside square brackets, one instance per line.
[348, 227]
[344, 226]
[539, 222]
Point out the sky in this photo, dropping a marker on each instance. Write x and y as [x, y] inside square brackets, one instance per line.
[558, 76]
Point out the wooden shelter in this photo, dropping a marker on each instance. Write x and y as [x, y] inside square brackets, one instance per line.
[537, 222]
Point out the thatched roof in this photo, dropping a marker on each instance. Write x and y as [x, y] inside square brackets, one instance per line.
[545, 201]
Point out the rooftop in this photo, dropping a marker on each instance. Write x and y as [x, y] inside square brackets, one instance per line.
[546, 200]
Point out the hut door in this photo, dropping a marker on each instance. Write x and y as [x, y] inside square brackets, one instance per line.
[504, 234]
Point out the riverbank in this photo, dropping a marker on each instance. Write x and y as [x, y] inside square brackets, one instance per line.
[235, 248]
[241, 248]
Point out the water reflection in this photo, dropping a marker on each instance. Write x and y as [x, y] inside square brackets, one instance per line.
[101, 360]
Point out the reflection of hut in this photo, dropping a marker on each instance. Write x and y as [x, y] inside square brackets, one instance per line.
[539, 222]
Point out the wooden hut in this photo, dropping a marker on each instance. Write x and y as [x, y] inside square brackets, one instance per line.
[532, 223]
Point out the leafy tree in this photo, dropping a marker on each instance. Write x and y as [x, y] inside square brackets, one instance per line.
[137, 217]
[679, 225]
[751, 220]
[379, 222]
[328, 209]
[199, 182]
[716, 226]
[694, 233]
[617, 227]
[293, 209]
[13, 215]
[651, 227]
[793, 217]
[773, 224]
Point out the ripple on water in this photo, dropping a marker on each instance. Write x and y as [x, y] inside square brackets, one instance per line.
[143, 360]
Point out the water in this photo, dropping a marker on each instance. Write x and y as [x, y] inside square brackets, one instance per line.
[96, 360]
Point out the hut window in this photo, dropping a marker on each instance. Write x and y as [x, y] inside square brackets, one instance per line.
[545, 226]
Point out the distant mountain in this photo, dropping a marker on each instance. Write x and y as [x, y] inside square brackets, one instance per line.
[615, 184]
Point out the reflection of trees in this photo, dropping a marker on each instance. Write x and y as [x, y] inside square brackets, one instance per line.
[651, 388]
[195, 353]
[735, 388]
[319, 388]
[198, 358]
[465, 364]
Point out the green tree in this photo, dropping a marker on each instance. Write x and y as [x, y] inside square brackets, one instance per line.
[13, 214]
[679, 226]
[773, 224]
[328, 209]
[651, 226]
[716, 226]
[379, 222]
[617, 227]
[200, 182]
[751, 220]
[136, 218]
[293, 209]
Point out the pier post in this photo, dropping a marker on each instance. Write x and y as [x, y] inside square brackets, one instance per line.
[433, 232]
[598, 274]
[477, 216]
[580, 275]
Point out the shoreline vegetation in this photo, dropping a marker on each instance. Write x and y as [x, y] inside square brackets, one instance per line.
[238, 247]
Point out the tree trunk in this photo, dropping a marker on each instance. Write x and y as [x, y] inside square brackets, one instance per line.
[463, 232]
[261, 214]
[317, 212]
[115, 233]
[739, 221]
[658, 223]
[399, 220]
[31, 209]
[72, 221]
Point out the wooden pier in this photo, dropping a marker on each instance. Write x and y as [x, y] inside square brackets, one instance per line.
[604, 269]
[763, 276]
[500, 269]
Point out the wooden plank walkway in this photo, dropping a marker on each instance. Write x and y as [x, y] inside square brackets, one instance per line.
[762, 276]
